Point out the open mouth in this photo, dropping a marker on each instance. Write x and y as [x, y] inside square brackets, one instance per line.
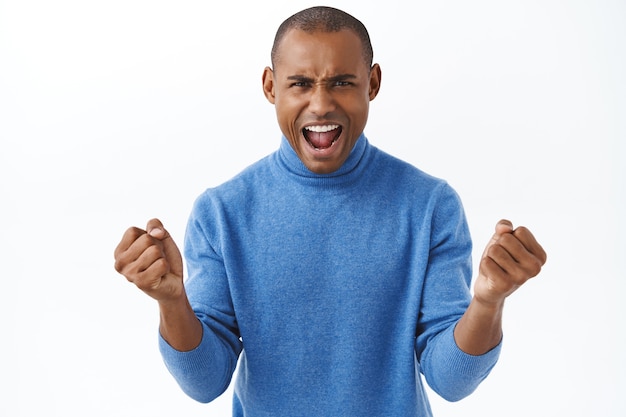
[321, 137]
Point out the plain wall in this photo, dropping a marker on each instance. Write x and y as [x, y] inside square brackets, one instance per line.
[115, 112]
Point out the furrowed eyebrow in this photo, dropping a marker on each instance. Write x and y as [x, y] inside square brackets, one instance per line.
[334, 78]
[342, 77]
[300, 78]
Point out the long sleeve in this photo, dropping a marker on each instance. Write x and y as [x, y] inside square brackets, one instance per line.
[449, 371]
[205, 372]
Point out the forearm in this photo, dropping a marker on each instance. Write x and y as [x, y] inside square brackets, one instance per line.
[480, 329]
[200, 355]
[179, 325]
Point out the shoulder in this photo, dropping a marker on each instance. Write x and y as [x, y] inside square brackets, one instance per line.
[239, 187]
[228, 203]
[421, 194]
[398, 173]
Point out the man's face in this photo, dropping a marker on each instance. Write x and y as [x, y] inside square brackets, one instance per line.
[321, 88]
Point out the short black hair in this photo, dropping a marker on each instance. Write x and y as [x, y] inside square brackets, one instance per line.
[324, 19]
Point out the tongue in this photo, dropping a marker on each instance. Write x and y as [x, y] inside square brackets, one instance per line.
[321, 140]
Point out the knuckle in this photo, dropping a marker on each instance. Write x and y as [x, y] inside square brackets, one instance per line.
[154, 251]
[144, 239]
[131, 273]
[146, 279]
[130, 270]
[523, 230]
[149, 279]
[535, 267]
[118, 265]
[135, 231]
[488, 266]
[542, 257]
[529, 269]
[161, 267]
[132, 233]
[122, 263]
[519, 278]
[495, 251]
[507, 239]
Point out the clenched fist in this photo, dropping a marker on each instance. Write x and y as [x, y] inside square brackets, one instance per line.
[151, 260]
[511, 258]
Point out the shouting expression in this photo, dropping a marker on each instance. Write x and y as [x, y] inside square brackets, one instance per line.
[321, 88]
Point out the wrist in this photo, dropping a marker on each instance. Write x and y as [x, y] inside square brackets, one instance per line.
[493, 305]
[179, 325]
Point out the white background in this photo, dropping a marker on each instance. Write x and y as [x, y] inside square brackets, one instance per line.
[113, 112]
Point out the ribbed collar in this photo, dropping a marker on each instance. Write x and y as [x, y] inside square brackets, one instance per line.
[289, 161]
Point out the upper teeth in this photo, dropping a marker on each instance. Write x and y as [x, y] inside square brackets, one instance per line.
[322, 129]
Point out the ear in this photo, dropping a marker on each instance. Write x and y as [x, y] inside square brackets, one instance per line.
[375, 78]
[268, 84]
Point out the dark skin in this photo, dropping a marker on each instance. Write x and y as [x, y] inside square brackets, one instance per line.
[320, 81]
[151, 260]
[512, 257]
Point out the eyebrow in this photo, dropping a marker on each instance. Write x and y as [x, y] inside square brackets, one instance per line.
[339, 77]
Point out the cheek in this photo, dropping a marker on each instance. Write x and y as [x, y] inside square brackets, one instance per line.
[286, 116]
[359, 112]
[287, 112]
[355, 103]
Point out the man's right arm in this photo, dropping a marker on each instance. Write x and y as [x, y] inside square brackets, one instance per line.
[151, 260]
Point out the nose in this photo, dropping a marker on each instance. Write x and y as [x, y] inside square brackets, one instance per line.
[321, 101]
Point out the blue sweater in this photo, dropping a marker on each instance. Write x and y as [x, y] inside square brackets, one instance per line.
[335, 291]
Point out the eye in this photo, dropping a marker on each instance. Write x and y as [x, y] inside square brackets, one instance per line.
[342, 83]
[301, 84]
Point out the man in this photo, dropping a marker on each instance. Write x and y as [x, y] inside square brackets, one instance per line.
[334, 273]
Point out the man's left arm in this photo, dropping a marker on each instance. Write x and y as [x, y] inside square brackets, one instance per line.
[512, 257]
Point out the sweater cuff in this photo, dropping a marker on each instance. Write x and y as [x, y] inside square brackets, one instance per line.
[467, 364]
[199, 372]
[187, 362]
[459, 373]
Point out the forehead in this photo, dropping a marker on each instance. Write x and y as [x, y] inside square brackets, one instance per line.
[320, 51]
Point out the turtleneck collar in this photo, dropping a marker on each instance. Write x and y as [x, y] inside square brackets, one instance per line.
[351, 169]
